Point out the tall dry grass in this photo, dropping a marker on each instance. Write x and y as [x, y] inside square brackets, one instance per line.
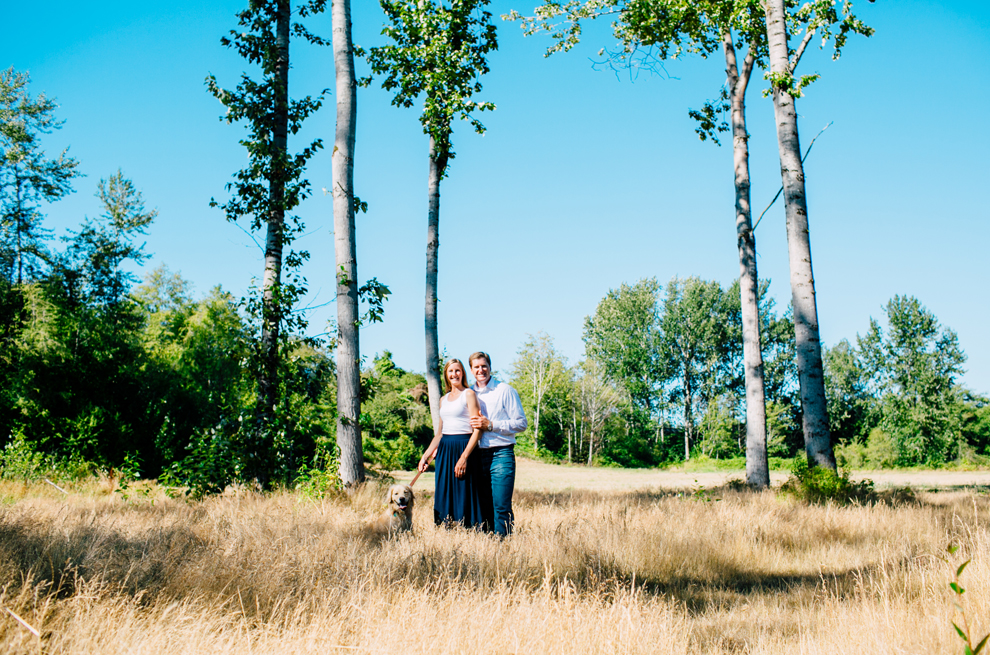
[636, 572]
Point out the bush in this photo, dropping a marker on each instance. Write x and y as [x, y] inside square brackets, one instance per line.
[881, 449]
[821, 485]
[398, 454]
[851, 455]
[322, 479]
[20, 459]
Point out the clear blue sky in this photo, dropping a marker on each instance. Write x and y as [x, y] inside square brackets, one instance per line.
[585, 180]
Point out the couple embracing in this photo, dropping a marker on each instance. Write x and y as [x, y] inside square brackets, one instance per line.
[474, 447]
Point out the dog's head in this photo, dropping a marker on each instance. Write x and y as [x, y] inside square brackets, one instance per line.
[400, 496]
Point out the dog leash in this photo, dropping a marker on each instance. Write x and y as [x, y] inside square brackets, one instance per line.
[418, 473]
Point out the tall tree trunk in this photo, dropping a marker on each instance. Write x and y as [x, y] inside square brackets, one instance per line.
[570, 437]
[348, 346]
[757, 464]
[271, 305]
[536, 428]
[817, 440]
[688, 414]
[18, 223]
[438, 164]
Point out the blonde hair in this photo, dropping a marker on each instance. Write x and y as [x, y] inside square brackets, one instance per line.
[443, 375]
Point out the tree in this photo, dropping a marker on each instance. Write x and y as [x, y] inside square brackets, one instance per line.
[438, 52]
[540, 365]
[272, 185]
[345, 250]
[912, 369]
[817, 16]
[101, 246]
[27, 177]
[623, 338]
[81, 378]
[757, 463]
[846, 390]
[698, 326]
[599, 401]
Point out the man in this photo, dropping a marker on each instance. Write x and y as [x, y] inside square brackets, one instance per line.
[502, 418]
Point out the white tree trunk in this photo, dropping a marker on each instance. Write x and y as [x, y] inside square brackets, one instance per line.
[817, 440]
[433, 383]
[348, 347]
[688, 413]
[757, 465]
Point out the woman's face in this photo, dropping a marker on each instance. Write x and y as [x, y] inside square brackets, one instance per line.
[455, 375]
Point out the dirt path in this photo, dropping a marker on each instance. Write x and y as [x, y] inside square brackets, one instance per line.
[538, 476]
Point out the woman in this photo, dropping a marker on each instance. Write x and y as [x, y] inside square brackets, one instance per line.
[455, 499]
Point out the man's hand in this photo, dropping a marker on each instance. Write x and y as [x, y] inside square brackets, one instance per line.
[482, 423]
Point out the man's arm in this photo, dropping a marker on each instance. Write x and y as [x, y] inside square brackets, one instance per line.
[516, 417]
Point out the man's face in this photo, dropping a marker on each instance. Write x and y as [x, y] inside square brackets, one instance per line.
[481, 370]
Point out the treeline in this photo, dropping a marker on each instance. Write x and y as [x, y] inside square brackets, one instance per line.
[662, 382]
[155, 383]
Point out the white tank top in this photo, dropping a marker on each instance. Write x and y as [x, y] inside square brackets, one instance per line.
[454, 414]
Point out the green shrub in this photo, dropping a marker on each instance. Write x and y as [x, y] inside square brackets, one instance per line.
[881, 450]
[820, 485]
[397, 454]
[851, 455]
[322, 479]
[21, 459]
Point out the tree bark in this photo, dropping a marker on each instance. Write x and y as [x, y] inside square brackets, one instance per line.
[348, 346]
[18, 226]
[688, 408]
[757, 464]
[817, 440]
[438, 164]
[271, 310]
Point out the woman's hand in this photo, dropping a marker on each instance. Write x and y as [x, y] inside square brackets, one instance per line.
[460, 469]
[424, 463]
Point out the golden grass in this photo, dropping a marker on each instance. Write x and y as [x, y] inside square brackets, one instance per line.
[586, 572]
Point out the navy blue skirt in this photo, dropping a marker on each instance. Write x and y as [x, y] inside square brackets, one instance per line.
[456, 499]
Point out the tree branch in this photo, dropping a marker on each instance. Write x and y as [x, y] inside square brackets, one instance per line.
[747, 71]
[801, 48]
[781, 190]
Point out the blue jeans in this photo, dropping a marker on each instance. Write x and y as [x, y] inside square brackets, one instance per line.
[495, 475]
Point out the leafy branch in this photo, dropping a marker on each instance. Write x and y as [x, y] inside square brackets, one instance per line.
[965, 632]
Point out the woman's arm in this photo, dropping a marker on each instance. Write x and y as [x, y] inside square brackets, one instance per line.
[431, 450]
[474, 409]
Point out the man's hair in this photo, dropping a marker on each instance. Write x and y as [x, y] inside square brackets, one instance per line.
[479, 355]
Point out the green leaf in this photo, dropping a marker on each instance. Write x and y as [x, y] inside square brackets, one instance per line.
[952, 549]
[961, 567]
[956, 588]
[962, 635]
[979, 646]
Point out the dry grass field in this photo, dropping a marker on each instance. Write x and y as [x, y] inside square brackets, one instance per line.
[647, 571]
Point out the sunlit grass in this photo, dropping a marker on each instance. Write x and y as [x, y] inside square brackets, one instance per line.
[587, 572]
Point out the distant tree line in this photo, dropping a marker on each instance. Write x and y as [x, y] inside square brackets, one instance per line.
[662, 381]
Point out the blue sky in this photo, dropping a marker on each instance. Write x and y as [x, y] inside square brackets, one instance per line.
[585, 179]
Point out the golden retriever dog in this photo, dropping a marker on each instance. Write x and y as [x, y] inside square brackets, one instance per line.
[397, 517]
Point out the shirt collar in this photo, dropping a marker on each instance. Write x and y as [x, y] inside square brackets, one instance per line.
[492, 383]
